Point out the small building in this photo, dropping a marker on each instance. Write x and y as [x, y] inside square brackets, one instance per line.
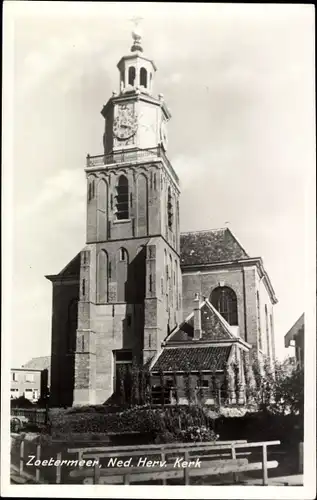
[26, 382]
[42, 363]
[32, 380]
[295, 338]
[197, 357]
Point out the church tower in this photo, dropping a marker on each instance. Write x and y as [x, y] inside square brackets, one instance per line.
[130, 277]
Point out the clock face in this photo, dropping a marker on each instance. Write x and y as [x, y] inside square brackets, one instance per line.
[163, 133]
[126, 123]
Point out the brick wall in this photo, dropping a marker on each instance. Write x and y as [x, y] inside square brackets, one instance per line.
[205, 282]
[267, 340]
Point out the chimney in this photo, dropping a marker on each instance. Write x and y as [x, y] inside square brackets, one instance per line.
[197, 317]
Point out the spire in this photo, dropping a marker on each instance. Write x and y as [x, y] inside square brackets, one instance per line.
[136, 35]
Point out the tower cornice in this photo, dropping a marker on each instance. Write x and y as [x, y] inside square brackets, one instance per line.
[124, 159]
[136, 96]
[135, 55]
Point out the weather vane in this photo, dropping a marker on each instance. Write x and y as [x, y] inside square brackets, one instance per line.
[136, 20]
[136, 34]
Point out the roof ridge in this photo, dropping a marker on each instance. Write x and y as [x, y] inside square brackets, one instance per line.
[238, 241]
[205, 230]
[220, 317]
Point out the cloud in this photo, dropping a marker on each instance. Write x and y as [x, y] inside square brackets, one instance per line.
[174, 78]
[63, 184]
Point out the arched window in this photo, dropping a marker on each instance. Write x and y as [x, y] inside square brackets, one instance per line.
[102, 277]
[143, 77]
[91, 190]
[267, 328]
[259, 320]
[224, 300]
[169, 209]
[123, 198]
[131, 75]
[122, 274]
[122, 76]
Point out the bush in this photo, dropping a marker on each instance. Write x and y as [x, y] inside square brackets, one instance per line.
[198, 434]
[141, 419]
[21, 402]
[166, 437]
[262, 426]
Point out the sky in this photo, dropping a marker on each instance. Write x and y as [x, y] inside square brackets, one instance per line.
[239, 81]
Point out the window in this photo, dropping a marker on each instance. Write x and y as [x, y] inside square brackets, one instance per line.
[143, 77]
[123, 198]
[122, 365]
[14, 377]
[122, 76]
[169, 209]
[29, 377]
[14, 393]
[204, 384]
[91, 190]
[225, 301]
[131, 75]
[28, 393]
[123, 254]
[35, 394]
[123, 356]
[267, 331]
[259, 320]
[122, 275]
[102, 277]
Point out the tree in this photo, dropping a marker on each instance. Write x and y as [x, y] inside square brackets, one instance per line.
[279, 387]
[250, 383]
[288, 389]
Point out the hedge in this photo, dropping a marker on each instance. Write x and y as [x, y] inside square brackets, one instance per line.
[141, 419]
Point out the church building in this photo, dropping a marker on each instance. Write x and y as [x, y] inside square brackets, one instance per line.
[140, 290]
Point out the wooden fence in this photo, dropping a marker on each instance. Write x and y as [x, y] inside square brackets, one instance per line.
[36, 416]
[222, 457]
[187, 451]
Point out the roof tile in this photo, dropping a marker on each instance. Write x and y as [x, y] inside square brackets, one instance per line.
[213, 328]
[207, 247]
[192, 358]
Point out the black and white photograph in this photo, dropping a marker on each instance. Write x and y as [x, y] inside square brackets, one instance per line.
[159, 250]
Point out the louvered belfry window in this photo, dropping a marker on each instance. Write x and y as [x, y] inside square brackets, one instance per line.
[225, 301]
[122, 198]
[169, 208]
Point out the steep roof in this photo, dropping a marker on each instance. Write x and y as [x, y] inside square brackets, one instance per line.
[207, 247]
[214, 327]
[194, 359]
[295, 330]
[72, 269]
[40, 363]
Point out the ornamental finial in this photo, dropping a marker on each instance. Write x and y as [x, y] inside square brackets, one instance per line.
[136, 35]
